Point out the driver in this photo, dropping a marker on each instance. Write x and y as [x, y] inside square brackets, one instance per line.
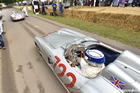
[91, 64]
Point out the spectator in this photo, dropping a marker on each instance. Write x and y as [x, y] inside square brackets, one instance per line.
[88, 2]
[60, 9]
[85, 3]
[134, 3]
[1, 32]
[75, 2]
[115, 2]
[1, 11]
[1, 21]
[92, 3]
[43, 9]
[25, 11]
[109, 2]
[130, 2]
[54, 6]
[138, 3]
[122, 3]
[51, 3]
[102, 3]
[97, 2]
[46, 2]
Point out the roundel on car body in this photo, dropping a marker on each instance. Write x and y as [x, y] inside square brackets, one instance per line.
[64, 71]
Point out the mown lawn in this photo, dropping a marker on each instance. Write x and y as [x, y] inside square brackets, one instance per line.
[126, 36]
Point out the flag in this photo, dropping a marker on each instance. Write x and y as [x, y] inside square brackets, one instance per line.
[117, 82]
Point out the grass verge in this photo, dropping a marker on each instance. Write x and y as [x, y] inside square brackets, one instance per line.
[126, 36]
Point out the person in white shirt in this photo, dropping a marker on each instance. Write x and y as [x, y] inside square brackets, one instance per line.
[25, 11]
[91, 64]
[1, 11]
[1, 32]
[1, 21]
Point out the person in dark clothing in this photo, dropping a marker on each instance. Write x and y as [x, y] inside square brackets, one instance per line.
[43, 9]
[97, 3]
[54, 6]
[1, 32]
[60, 9]
[2, 42]
[135, 3]
[75, 2]
[109, 2]
[92, 3]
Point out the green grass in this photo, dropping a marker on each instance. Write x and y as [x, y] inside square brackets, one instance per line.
[125, 36]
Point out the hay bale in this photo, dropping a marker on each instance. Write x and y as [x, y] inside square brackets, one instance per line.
[68, 13]
[127, 17]
[91, 16]
[84, 15]
[119, 20]
[76, 14]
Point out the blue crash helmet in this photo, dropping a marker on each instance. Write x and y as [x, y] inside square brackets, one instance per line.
[95, 56]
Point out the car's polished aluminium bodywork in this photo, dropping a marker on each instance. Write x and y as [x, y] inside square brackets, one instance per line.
[16, 15]
[121, 74]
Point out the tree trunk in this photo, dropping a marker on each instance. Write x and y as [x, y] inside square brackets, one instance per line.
[71, 2]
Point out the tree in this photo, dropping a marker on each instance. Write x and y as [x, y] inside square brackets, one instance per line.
[0, 5]
[71, 2]
[1, 1]
[9, 1]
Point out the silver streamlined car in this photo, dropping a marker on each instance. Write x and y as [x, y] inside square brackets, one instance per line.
[120, 75]
[16, 15]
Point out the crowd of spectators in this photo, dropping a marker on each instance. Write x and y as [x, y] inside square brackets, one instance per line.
[121, 3]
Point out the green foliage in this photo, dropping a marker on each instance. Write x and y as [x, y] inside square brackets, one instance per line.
[9, 1]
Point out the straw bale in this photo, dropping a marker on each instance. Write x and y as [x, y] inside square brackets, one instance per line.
[84, 15]
[127, 17]
[68, 13]
[76, 14]
[119, 20]
[114, 16]
[92, 16]
[110, 19]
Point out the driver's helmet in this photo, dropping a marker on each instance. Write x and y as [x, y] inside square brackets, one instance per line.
[95, 57]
